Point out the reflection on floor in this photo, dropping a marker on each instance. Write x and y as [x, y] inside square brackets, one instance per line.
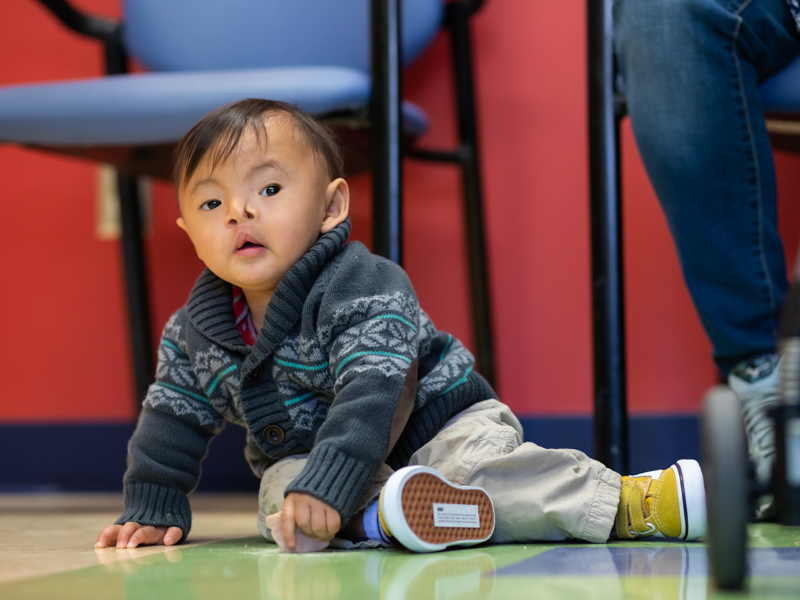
[46, 552]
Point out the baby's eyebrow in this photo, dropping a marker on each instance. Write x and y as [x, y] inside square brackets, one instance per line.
[205, 181]
[270, 164]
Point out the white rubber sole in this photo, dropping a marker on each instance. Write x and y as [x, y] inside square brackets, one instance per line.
[427, 513]
[692, 496]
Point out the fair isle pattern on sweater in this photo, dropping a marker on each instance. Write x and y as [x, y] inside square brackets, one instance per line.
[206, 388]
[327, 368]
[177, 389]
[378, 334]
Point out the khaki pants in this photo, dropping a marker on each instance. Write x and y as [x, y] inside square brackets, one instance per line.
[538, 494]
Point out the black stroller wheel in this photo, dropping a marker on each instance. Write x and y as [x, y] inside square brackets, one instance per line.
[726, 479]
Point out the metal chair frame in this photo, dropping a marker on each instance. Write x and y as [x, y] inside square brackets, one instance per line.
[606, 110]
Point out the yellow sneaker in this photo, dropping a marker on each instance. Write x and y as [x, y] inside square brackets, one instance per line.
[669, 503]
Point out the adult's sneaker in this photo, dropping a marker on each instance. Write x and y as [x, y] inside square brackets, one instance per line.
[663, 504]
[424, 512]
[756, 382]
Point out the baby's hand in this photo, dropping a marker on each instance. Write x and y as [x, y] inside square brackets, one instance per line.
[313, 517]
[303, 543]
[132, 534]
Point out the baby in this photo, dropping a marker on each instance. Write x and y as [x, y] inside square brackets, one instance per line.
[366, 424]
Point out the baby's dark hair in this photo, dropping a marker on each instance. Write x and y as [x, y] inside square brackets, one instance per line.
[220, 131]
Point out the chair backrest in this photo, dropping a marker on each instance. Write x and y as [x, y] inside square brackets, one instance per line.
[190, 35]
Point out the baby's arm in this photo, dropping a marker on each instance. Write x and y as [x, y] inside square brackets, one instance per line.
[368, 324]
[132, 535]
[313, 517]
[165, 452]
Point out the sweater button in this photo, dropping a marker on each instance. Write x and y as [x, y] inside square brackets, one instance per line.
[273, 434]
[255, 374]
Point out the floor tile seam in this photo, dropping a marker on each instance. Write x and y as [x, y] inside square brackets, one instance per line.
[161, 550]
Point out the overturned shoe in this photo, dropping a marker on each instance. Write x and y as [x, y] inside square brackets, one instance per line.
[424, 512]
[669, 503]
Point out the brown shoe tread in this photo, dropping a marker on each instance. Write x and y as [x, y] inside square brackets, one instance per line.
[421, 491]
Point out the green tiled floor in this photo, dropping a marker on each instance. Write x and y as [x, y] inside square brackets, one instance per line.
[249, 568]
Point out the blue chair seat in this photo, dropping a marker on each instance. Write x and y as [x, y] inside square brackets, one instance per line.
[157, 108]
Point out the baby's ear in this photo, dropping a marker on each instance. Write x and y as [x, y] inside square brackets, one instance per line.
[182, 224]
[337, 204]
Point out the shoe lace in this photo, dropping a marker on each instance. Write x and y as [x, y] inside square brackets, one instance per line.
[757, 425]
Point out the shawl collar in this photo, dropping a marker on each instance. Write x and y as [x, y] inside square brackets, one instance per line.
[286, 305]
[210, 304]
[210, 311]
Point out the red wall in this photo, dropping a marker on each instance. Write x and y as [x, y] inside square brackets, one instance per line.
[65, 352]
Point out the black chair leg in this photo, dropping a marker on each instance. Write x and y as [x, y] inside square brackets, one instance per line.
[458, 22]
[608, 313]
[387, 126]
[136, 288]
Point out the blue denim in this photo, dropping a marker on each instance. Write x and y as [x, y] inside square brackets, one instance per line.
[690, 71]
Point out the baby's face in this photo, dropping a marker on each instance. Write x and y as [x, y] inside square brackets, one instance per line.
[255, 215]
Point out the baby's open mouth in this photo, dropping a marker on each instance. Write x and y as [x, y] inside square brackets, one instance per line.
[245, 241]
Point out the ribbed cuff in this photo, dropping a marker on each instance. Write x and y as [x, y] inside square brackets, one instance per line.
[150, 504]
[335, 478]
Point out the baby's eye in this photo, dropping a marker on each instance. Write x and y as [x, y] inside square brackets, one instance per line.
[270, 190]
[210, 205]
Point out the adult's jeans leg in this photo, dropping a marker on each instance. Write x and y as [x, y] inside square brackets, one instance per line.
[691, 70]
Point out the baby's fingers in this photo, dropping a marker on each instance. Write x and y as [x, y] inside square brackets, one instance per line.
[322, 528]
[108, 536]
[287, 522]
[124, 535]
[146, 536]
[172, 536]
[334, 522]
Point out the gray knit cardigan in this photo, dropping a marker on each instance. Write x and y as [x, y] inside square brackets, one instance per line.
[325, 375]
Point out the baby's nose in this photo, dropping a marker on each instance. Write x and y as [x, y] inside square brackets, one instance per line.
[240, 213]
